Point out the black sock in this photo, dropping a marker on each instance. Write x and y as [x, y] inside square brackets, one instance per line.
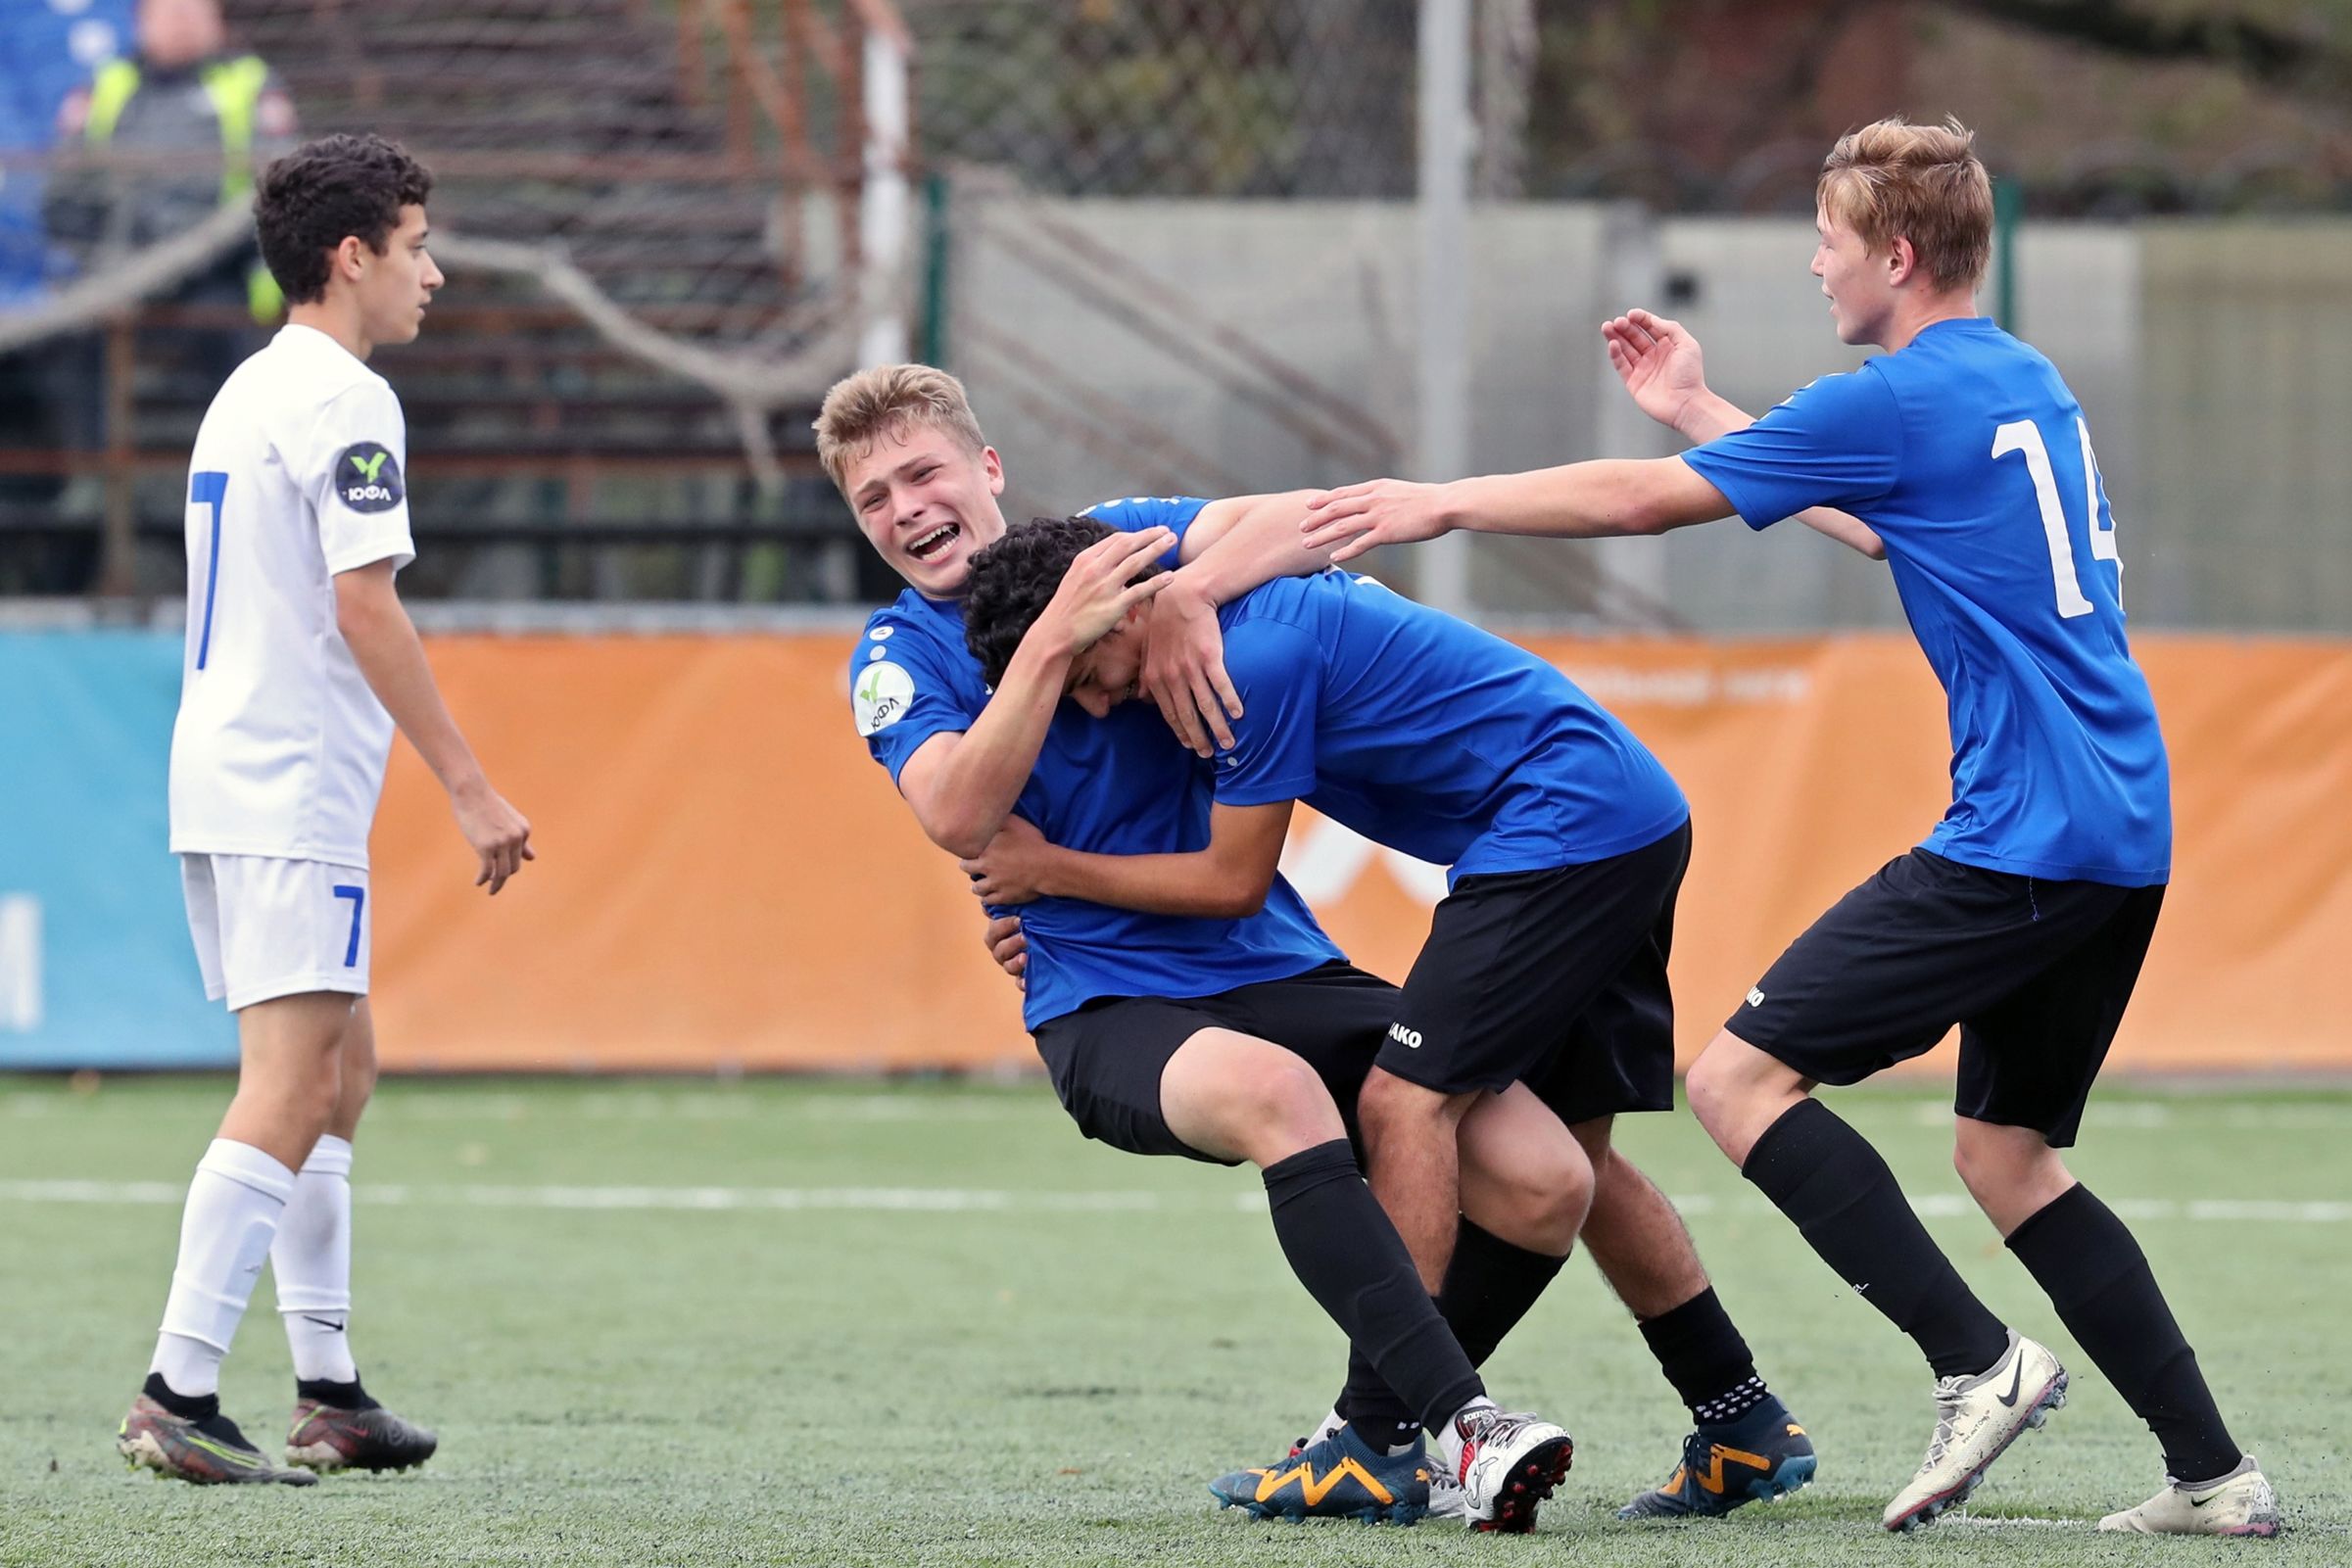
[342, 1395]
[1703, 1357]
[1826, 1177]
[1490, 1285]
[2106, 1295]
[1344, 1250]
[187, 1407]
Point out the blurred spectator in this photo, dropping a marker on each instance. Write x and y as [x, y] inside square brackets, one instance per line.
[150, 145]
[156, 140]
[48, 48]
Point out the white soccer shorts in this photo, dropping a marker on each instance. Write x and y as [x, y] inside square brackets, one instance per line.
[267, 927]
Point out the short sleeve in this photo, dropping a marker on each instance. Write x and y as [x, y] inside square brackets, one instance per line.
[1132, 514]
[901, 693]
[1836, 443]
[358, 481]
[1277, 673]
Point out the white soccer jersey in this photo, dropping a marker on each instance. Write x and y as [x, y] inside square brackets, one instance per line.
[297, 475]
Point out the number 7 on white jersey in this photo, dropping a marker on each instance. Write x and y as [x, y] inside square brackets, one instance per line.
[2022, 435]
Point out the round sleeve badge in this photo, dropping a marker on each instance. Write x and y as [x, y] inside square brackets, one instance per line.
[368, 477]
[880, 696]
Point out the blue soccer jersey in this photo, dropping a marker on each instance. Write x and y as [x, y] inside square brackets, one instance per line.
[1123, 787]
[1426, 735]
[1968, 455]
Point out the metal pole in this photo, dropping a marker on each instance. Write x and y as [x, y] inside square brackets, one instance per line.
[1443, 368]
[2009, 211]
[885, 204]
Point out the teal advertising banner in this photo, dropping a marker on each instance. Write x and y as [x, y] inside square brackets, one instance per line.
[96, 970]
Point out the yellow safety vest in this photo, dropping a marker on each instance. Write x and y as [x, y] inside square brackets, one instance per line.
[236, 88]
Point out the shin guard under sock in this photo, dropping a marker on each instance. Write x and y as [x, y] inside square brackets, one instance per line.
[1826, 1177]
[2099, 1281]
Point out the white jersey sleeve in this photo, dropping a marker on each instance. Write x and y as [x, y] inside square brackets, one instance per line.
[356, 479]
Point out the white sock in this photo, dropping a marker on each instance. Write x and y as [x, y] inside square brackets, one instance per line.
[233, 1206]
[312, 1259]
[1448, 1436]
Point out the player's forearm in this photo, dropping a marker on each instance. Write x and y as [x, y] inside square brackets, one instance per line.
[390, 657]
[972, 791]
[1708, 415]
[1598, 499]
[1262, 543]
[1196, 884]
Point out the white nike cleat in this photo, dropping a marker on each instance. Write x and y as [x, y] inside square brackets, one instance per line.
[2239, 1503]
[1507, 1464]
[1977, 1418]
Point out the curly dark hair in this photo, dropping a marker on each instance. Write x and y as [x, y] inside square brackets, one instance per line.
[313, 198]
[1014, 579]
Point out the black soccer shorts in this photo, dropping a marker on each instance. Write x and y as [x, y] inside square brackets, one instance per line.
[1106, 1058]
[2034, 973]
[1555, 978]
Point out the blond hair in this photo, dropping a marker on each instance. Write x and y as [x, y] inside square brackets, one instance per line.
[860, 409]
[1894, 181]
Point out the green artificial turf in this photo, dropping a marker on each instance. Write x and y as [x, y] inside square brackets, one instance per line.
[841, 1324]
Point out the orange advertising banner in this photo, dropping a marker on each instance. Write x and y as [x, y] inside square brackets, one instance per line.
[726, 882]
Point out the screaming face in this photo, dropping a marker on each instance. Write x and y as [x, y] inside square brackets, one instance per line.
[928, 504]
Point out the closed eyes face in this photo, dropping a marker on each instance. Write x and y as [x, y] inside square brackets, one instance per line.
[1109, 673]
[927, 504]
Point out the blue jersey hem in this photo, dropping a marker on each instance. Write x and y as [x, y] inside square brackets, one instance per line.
[2048, 869]
[1581, 855]
[1296, 966]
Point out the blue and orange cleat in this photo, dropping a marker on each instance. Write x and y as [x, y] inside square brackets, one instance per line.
[1764, 1455]
[1341, 1477]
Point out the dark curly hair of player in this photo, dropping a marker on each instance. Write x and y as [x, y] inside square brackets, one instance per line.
[313, 198]
[1014, 579]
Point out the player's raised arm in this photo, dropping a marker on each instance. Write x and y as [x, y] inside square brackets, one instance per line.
[1601, 498]
[962, 787]
[391, 659]
[1663, 370]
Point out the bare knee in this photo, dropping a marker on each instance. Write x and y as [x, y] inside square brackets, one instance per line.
[1248, 1099]
[1737, 1091]
[2011, 1171]
[1709, 1086]
[1554, 1193]
[1534, 1194]
[1391, 1108]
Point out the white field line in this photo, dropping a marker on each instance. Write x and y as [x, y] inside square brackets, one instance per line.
[970, 1200]
[623, 1105]
[2186, 1115]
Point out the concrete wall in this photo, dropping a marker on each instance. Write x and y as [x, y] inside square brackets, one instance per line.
[2214, 364]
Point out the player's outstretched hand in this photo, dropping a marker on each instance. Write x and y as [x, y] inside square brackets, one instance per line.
[1184, 671]
[1008, 871]
[1100, 587]
[1379, 511]
[499, 835]
[1658, 362]
[1008, 949]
